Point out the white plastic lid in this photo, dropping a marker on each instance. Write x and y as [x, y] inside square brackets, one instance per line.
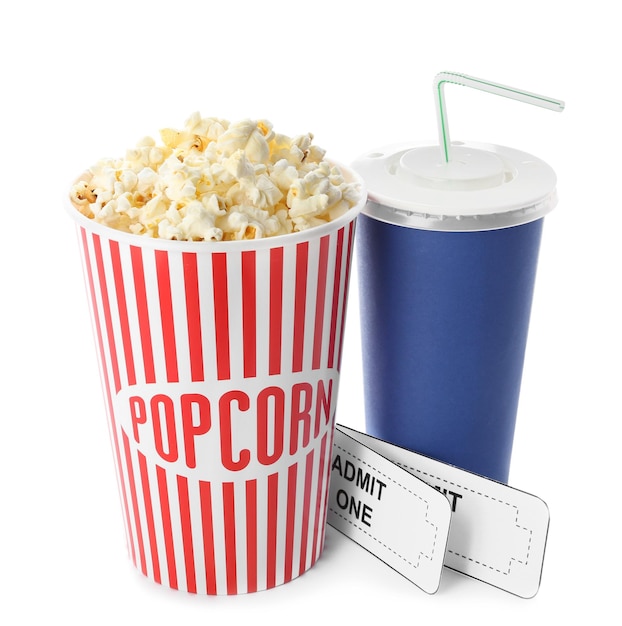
[483, 187]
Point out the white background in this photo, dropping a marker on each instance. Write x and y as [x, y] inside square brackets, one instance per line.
[81, 80]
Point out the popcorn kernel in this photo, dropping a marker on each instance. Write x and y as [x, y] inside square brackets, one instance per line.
[216, 181]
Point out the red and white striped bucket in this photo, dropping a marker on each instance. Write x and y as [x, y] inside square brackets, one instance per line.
[220, 366]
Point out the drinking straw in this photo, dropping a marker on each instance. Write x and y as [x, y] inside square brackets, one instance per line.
[483, 85]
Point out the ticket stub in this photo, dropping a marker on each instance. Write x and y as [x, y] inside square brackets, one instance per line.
[497, 534]
[386, 509]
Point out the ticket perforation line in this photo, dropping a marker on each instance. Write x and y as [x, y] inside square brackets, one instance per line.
[390, 512]
[396, 482]
[483, 495]
[412, 493]
[384, 545]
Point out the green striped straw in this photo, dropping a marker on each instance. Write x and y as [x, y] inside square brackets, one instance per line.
[483, 85]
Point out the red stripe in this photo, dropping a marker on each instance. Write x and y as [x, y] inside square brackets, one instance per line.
[107, 316]
[228, 498]
[305, 512]
[166, 315]
[318, 500]
[205, 493]
[251, 535]
[153, 545]
[143, 313]
[186, 533]
[122, 306]
[193, 315]
[132, 484]
[166, 526]
[336, 286]
[221, 315]
[276, 309]
[320, 301]
[326, 483]
[104, 369]
[249, 313]
[302, 260]
[273, 493]
[290, 518]
[345, 293]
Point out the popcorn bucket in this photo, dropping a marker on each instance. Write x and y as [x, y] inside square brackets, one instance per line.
[220, 367]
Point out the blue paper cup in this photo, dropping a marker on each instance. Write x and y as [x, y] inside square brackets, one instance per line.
[446, 273]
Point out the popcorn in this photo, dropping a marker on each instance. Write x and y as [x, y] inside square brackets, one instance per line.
[216, 181]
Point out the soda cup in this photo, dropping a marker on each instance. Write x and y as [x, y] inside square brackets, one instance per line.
[447, 255]
[220, 365]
